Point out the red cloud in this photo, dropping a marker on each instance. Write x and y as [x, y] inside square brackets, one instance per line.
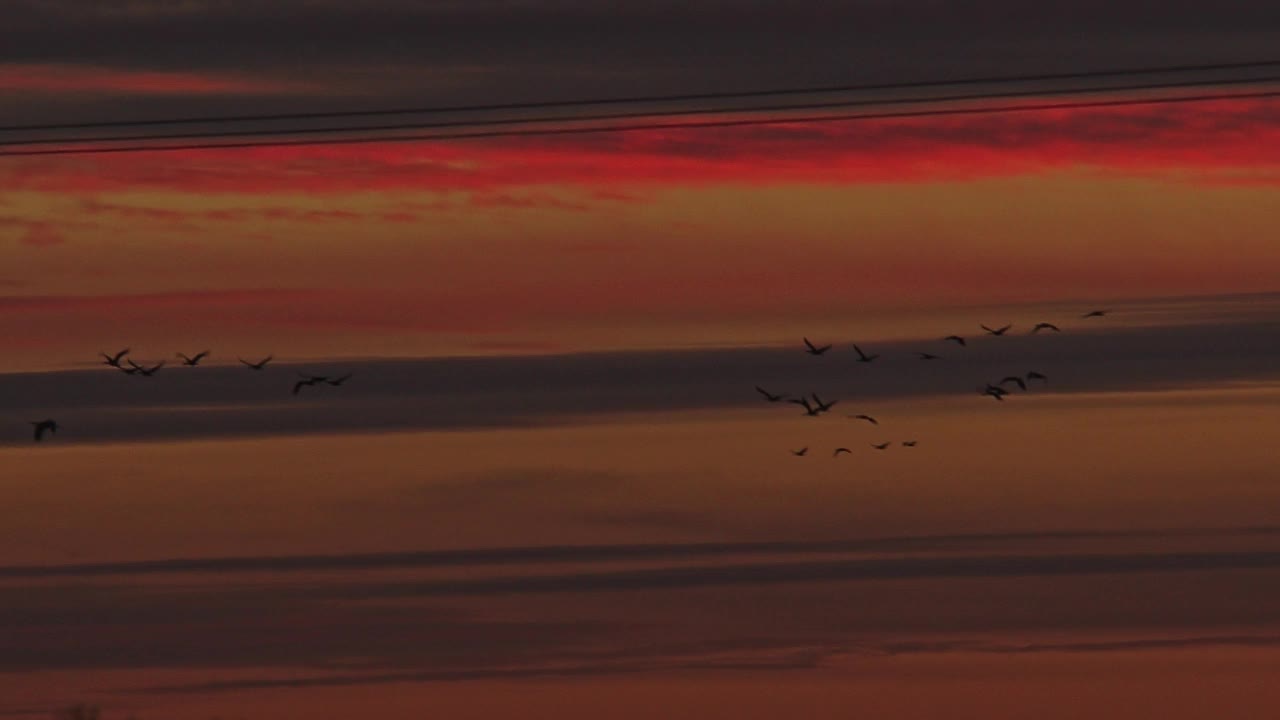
[59, 78]
[1208, 139]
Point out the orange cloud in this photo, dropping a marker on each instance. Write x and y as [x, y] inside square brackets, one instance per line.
[64, 78]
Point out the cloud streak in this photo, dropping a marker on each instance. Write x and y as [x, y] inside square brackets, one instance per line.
[486, 392]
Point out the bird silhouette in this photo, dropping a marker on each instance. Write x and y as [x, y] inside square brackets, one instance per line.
[128, 370]
[927, 356]
[44, 426]
[881, 446]
[955, 339]
[908, 443]
[808, 409]
[770, 396]
[821, 406]
[839, 450]
[1033, 375]
[308, 380]
[337, 382]
[995, 391]
[863, 357]
[258, 365]
[1045, 326]
[1016, 381]
[193, 360]
[868, 418]
[814, 350]
[1095, 313]
[146, 371]
[801, 451]
[114, 360]
[996, 331]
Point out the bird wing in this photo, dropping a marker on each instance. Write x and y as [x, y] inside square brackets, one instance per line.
[809, 344]
[200, 355]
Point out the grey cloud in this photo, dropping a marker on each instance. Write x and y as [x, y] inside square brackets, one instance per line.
[104, 405]
[675, 578]
[468, 52]
[780, 658]
[578, 554]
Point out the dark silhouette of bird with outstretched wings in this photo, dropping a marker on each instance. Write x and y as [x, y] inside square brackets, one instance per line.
[146, 371]
[996, 331]
[114, 360]
[43, 426]
[1045, 326]
[863, 357]
[808, 409]
[258, 365]
[868, 418]
[837, 451]
[813, 349]
[955, 339]
[1016, 381]
[770, 396]
[194, 360]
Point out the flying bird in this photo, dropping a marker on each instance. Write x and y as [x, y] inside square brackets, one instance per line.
[146, 371]
[1016, 381]
[820, 406]
[1033, 375]
[1045, 326]
[996, 331]
[839, 450]
[814, 350]
[337, 382]
[193, 360]
[114, 360]
[770, 396]
[1095, 313]
[881, 446]
[995, 391]
[808, 409]
[868, 418]
[863, 357]
[44, 425]
[128, 370]
[801, 451]
[955, 339]
[908, 443]
[308, 380]
[258, 365]
[927, 356]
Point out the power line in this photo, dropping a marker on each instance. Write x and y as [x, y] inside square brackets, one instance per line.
[746, 122]
[538, 120]
[651, 99]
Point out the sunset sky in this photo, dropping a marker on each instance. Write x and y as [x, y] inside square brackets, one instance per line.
[549, 488]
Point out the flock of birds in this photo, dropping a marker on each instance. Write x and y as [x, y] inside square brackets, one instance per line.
[812, 404]
[815, 406]
[126, 365]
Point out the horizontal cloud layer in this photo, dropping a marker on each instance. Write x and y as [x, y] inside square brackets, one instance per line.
[105, 405]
